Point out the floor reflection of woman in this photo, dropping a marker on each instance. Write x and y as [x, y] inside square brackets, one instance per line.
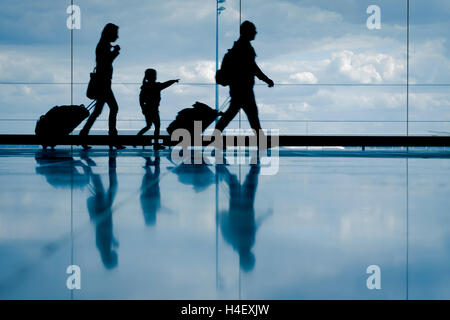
[100, 211]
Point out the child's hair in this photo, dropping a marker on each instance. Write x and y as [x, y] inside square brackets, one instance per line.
[149, 73]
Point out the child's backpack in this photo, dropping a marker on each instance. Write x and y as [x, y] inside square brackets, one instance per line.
[225, 73]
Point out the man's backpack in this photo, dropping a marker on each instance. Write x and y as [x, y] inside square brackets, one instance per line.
[225, 73]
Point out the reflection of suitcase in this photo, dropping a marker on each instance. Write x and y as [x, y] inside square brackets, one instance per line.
[59, 121]
[61, 170]
[185, 118]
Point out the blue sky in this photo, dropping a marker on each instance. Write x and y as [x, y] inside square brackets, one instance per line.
[299, 42]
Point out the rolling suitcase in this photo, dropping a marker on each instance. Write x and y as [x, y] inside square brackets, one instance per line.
[60, 121]
[185, 118]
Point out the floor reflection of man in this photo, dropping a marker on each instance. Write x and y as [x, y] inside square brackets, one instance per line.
[100, 211]
[238, 224]
[150, 192]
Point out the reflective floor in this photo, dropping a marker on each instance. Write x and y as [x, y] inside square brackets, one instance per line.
[142, 226]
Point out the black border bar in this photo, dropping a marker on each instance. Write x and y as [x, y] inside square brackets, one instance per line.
[283, 141]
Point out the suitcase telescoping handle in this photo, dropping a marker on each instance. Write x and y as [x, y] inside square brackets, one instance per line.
[226, 102]
[91, 105]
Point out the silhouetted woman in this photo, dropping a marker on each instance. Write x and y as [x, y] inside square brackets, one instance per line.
[105, 54]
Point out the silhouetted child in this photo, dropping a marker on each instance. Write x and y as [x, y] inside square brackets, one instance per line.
[149, 99]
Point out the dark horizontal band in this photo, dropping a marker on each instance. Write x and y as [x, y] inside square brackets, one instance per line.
[283, 140]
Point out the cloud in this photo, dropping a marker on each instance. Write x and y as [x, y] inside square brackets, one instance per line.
[269, 109]
[198, 71]
[304, 77]
[340, 67]
[365, 68]
[430, 62]
[18, 65]
[438, 102]
[299, 107]
[355, 100]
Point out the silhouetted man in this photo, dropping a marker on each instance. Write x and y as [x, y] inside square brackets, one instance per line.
[243, 79]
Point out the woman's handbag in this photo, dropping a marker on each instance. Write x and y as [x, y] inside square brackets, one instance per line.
[93, 88]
